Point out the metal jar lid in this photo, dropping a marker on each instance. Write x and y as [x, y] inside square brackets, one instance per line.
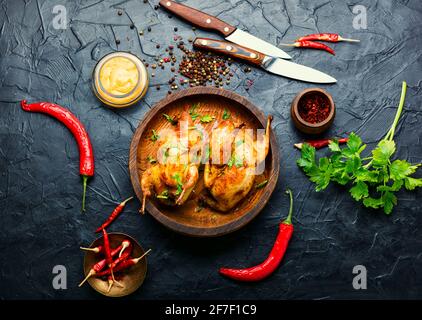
[102, 77]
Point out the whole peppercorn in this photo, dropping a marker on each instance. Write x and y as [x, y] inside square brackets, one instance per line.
[119, 12]
[149, 29]
[132, 26]
[117, 41]
[175, 29]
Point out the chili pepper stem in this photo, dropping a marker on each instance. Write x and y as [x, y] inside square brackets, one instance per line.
[89, 275]
[84, 182]
[288, 220]
[110, 284]
[124, 246]
[123, 203]
[89, 249]
[138, 259]
[348, 40]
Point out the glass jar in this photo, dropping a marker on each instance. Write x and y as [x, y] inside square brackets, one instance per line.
[120, 79]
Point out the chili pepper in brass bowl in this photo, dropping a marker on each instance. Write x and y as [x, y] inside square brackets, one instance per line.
[129, 266]
[313, 111]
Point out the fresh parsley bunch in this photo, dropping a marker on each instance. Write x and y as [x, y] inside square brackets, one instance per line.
[374, 179]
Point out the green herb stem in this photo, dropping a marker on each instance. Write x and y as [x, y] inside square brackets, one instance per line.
[390, 134]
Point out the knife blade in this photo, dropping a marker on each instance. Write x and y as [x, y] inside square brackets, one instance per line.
[271, 64]
[231, 33]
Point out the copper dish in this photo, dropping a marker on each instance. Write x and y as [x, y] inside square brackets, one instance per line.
[131, 279]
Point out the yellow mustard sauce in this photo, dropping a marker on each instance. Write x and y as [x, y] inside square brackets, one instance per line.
[120, 79]
[119, 76]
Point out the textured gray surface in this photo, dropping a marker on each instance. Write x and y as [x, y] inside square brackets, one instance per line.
[40, 221]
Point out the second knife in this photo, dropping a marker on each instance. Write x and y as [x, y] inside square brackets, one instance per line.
[271, 64]
[232, 34]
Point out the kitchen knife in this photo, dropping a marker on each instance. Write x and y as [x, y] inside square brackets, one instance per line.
[232, 34]
[271, 64]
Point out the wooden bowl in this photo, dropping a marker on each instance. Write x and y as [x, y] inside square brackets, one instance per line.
[132, 278]
[312, 128]
[186, 219]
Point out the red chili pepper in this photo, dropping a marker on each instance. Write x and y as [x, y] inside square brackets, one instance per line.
[113, 215]
[100, 265]
[270, 264]
[86, 155]
[123, 265]
[329, 37]
[318, 144]
[313, 45]
[107, 250]
[120, 259]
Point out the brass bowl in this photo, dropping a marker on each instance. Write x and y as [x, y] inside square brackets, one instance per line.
[312, 128]
[131, 279]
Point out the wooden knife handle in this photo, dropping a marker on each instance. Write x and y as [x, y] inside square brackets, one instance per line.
[198, 18]
[229, 49]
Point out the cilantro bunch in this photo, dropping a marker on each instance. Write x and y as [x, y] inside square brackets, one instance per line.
[374, 180]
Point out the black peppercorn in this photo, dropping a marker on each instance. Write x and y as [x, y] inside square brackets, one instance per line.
[149, 29]
[175, 29]
[119, 12]
[117, 41]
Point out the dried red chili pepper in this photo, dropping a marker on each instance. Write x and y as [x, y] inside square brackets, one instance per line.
[114, 215]
[318, 144]
[107, 250]
[270, 264]
[86, 155]
[100, 265]
[314, 108]
[124, 264]
[329, 37]
[310, 44]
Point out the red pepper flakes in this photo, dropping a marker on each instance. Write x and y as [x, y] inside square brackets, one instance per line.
[314, 108]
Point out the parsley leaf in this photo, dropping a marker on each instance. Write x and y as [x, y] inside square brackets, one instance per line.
[151, 159]
[154, 137]
[179, 184]
[192, 111]
[261, 184]
[382, 153]
[170, 119]
[226, 114]
[207, 118]
[359, 191]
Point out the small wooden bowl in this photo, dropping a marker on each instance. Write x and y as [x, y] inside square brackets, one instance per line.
[131, 279]
[186, 219]
[312, 128]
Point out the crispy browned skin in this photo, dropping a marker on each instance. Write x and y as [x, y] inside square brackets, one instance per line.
[176, 174]
[228, 184]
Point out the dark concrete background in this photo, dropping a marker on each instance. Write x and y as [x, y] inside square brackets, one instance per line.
[40, 189]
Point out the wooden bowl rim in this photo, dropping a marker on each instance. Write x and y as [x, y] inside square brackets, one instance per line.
[194, 230]
[299, 96]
